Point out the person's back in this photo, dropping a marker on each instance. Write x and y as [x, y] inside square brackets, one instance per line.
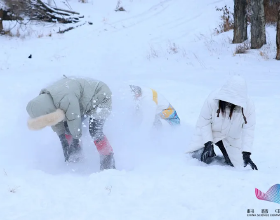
[85, 90]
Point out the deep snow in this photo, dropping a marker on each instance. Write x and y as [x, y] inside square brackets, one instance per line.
[154, 179]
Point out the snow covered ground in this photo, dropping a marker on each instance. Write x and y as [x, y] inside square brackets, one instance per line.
[167, 45]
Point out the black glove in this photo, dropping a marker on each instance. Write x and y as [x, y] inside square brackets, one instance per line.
[247, 160]
[208, 151]
[107, 162]
[65, 146]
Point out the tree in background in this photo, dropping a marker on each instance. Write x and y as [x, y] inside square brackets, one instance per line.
[278, 36]
[271, 11]
[1, 19]
[2, 8]
[34, 10]
[258, 36]
[240, 21]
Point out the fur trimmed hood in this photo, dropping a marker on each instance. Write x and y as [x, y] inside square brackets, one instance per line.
[46, 120]
[76, 97]
[43, 112]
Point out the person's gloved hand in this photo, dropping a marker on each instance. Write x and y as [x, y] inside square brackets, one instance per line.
[208, 151]
[247, 160]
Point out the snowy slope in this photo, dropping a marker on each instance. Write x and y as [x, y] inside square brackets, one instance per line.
[154, 179]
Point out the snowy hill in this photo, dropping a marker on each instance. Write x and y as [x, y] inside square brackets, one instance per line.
[168, 45]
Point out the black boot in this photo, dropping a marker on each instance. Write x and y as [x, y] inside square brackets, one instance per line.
[107, 162]
[223, 150]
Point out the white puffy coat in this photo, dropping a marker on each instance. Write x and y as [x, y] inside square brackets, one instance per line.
[234, 132]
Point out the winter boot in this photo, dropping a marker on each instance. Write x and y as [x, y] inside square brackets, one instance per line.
[75, 151]
[107, 162]
[75, 145]
[106, 154]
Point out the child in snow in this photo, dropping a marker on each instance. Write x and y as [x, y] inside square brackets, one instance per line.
[150, 101]
[227, 120]
[64, 105]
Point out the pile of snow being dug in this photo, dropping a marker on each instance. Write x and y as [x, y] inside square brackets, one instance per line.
[167, 45]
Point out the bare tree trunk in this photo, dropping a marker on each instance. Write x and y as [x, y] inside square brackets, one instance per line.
[1, 20]
[258, 37]
[278, 36]
[240, 21]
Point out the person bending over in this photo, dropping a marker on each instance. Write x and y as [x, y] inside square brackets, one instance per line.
[64, 105]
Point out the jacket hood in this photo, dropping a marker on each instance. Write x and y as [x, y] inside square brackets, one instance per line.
[234, 91]
[43, 112]
[41, 105]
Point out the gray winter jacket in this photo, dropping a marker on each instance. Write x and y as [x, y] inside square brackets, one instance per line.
[77, 98]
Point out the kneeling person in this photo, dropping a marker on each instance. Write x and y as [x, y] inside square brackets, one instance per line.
[227, 120]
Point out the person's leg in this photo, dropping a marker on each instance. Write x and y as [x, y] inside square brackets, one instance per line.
[69, 138]
[68, 135]
[102, 144]
[210, 160]
[197, 154]
[232, 155]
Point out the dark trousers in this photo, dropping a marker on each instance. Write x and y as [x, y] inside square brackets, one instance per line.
[95, 128]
